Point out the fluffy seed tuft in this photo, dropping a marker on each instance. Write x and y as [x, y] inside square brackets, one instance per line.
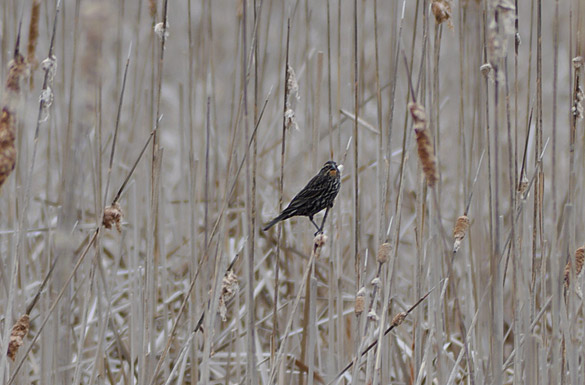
[113, 216]
[441, 9]
[229, 288]
[161, 31]
[372, 316]
[292, 86]
[459, 231]
[398, 319]
[19, 331]
[18, 72]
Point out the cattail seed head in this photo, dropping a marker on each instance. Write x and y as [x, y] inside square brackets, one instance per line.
[18, 72]
[33, 35]
[318, 243]
[383, 252]
[459, 231]
[398, 319]
[486, 69]
[7, 147]
[113, 216]
[292, 86]
[579, 260]
[441, 9]
[19, 331]
[229, 288]
[426, 153]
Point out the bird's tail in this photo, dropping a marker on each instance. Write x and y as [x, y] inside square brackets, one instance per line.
[274, 221]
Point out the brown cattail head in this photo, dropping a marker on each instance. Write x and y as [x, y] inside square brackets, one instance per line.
[33, 35]
[579, 260]
[398, 319]
[18, 71]
[229, 288]
[384, 252]
[442, 11]
[113, 216]
[426, 153]
[459, 231]
[360, 301]
[7, 148]
[19, 331]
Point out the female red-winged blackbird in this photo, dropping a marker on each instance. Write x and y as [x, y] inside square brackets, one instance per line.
[317, 195]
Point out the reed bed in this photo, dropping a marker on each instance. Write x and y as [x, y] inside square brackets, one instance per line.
[143, 145]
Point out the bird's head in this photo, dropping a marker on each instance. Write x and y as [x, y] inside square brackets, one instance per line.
[331, 169]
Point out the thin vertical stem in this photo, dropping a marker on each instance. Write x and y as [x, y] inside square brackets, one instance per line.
[356, 145]
[251, 377]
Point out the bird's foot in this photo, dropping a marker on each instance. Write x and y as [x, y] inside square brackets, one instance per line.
[320, 231]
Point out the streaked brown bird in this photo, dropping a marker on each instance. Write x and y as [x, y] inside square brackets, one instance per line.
[317, 195]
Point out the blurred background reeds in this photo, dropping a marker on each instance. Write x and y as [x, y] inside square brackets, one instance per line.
[143, 145]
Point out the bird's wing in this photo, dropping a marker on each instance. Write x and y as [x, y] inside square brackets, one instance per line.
[311, 191]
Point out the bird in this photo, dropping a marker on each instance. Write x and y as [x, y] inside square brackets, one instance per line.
[317, 195]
